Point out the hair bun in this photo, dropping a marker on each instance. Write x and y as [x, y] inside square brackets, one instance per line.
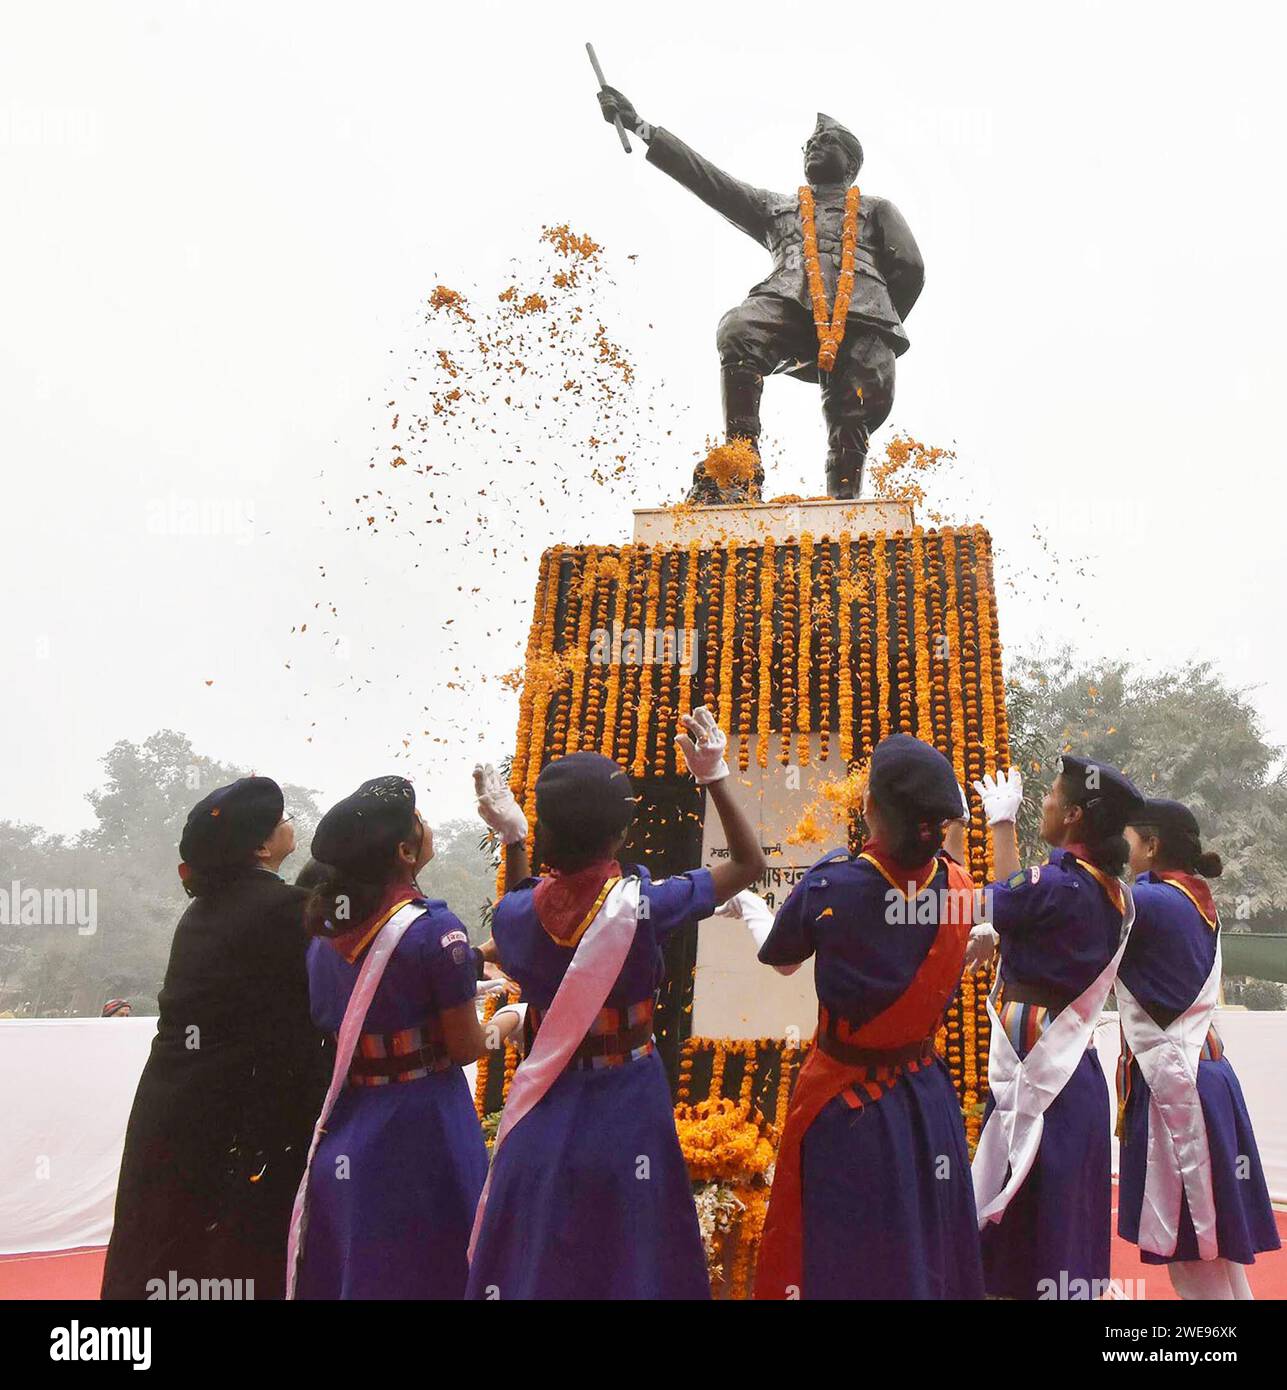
[1209, 864]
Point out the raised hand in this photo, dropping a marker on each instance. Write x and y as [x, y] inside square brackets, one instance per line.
[497, 806]
[981, 947]
[613, 105]
[703, 747]
[1001, 795]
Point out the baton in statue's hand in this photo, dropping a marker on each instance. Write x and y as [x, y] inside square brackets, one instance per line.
[616, 120]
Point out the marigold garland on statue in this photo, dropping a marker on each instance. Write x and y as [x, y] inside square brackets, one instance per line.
[830, 328]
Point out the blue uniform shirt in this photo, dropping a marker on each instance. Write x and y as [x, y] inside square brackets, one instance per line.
[531, 956]
[1171, 950]
[432, 969]
[865, 934]
[1058, 927]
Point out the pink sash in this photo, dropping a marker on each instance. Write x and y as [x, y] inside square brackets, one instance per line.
[590, 976]
[377, 957]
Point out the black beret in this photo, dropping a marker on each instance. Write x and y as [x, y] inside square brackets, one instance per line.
[360, 833]
[906, 772]
[1094, 783]
[225, 828]
[584, 796]
[1172, 817]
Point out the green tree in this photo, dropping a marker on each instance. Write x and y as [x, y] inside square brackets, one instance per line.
[463, 873]
[1182, 733]
[129, 859]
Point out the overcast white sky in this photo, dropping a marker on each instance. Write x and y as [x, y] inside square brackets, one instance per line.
[220, 220]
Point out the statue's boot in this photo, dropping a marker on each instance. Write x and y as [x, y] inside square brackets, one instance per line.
[742, 388]
[844, 472]
[845, 458]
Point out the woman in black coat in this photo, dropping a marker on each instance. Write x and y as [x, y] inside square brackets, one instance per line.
[225, 1108]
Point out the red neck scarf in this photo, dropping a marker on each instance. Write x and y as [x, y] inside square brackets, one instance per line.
[566, 904]
[351, 943]
[1196, 889]
[896, 873]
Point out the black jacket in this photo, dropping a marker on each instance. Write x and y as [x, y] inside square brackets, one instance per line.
[225, 1107]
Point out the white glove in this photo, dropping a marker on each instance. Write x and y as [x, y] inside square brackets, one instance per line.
[497, 807]
[750, 908]
[485, 987]
[1001, 795]
[520, 1009]
[704, 751]
[981, 946]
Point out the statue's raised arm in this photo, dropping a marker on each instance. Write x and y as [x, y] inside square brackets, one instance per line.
[846, 272]
[744, 206]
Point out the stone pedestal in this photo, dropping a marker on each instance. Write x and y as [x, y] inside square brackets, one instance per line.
[781, 521]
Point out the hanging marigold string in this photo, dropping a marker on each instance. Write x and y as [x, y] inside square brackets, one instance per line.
[822, 616]
[844, 629]
[803, 664]
[666, 713]
[764, 713]
[728, 645]
[830, 328]
[652, 596]
[790, 635]
[608, 744]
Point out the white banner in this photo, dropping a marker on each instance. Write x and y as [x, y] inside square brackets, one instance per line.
[66, 1089]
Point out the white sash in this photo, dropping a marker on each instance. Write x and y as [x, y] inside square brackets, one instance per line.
[1179, 1156]
[592, 972]
[1024, 1088]
[377, 957]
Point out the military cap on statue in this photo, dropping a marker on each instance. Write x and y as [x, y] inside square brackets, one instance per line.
[227, 827]
[584, 793]
[826, 124]
[1093, 783]
[908, 772]
[362, 831]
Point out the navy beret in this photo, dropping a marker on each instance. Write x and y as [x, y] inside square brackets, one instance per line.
[225, 828]
[360, 833]
[584, 795]
[1095, 783]
[907, 772]
[1172, 817]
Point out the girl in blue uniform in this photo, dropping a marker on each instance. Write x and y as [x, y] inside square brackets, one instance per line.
[872, 1196]
[394, 1181]
[1060, 925]
[589, 1196]
[1170, 957]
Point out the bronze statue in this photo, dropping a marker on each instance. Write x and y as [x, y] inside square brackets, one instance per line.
[774, 330]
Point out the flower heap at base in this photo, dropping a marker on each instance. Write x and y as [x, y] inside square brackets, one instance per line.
[850, 636]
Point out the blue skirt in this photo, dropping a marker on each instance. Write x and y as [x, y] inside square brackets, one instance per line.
[1245, 1224]
[888, 1204]
[590, 1197]
[392, 1192]
[1053, 1240]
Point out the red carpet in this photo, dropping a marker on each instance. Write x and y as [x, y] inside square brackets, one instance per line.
[56, 1274]
[78, 1273]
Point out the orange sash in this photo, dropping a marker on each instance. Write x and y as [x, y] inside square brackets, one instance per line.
[914, 1015]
